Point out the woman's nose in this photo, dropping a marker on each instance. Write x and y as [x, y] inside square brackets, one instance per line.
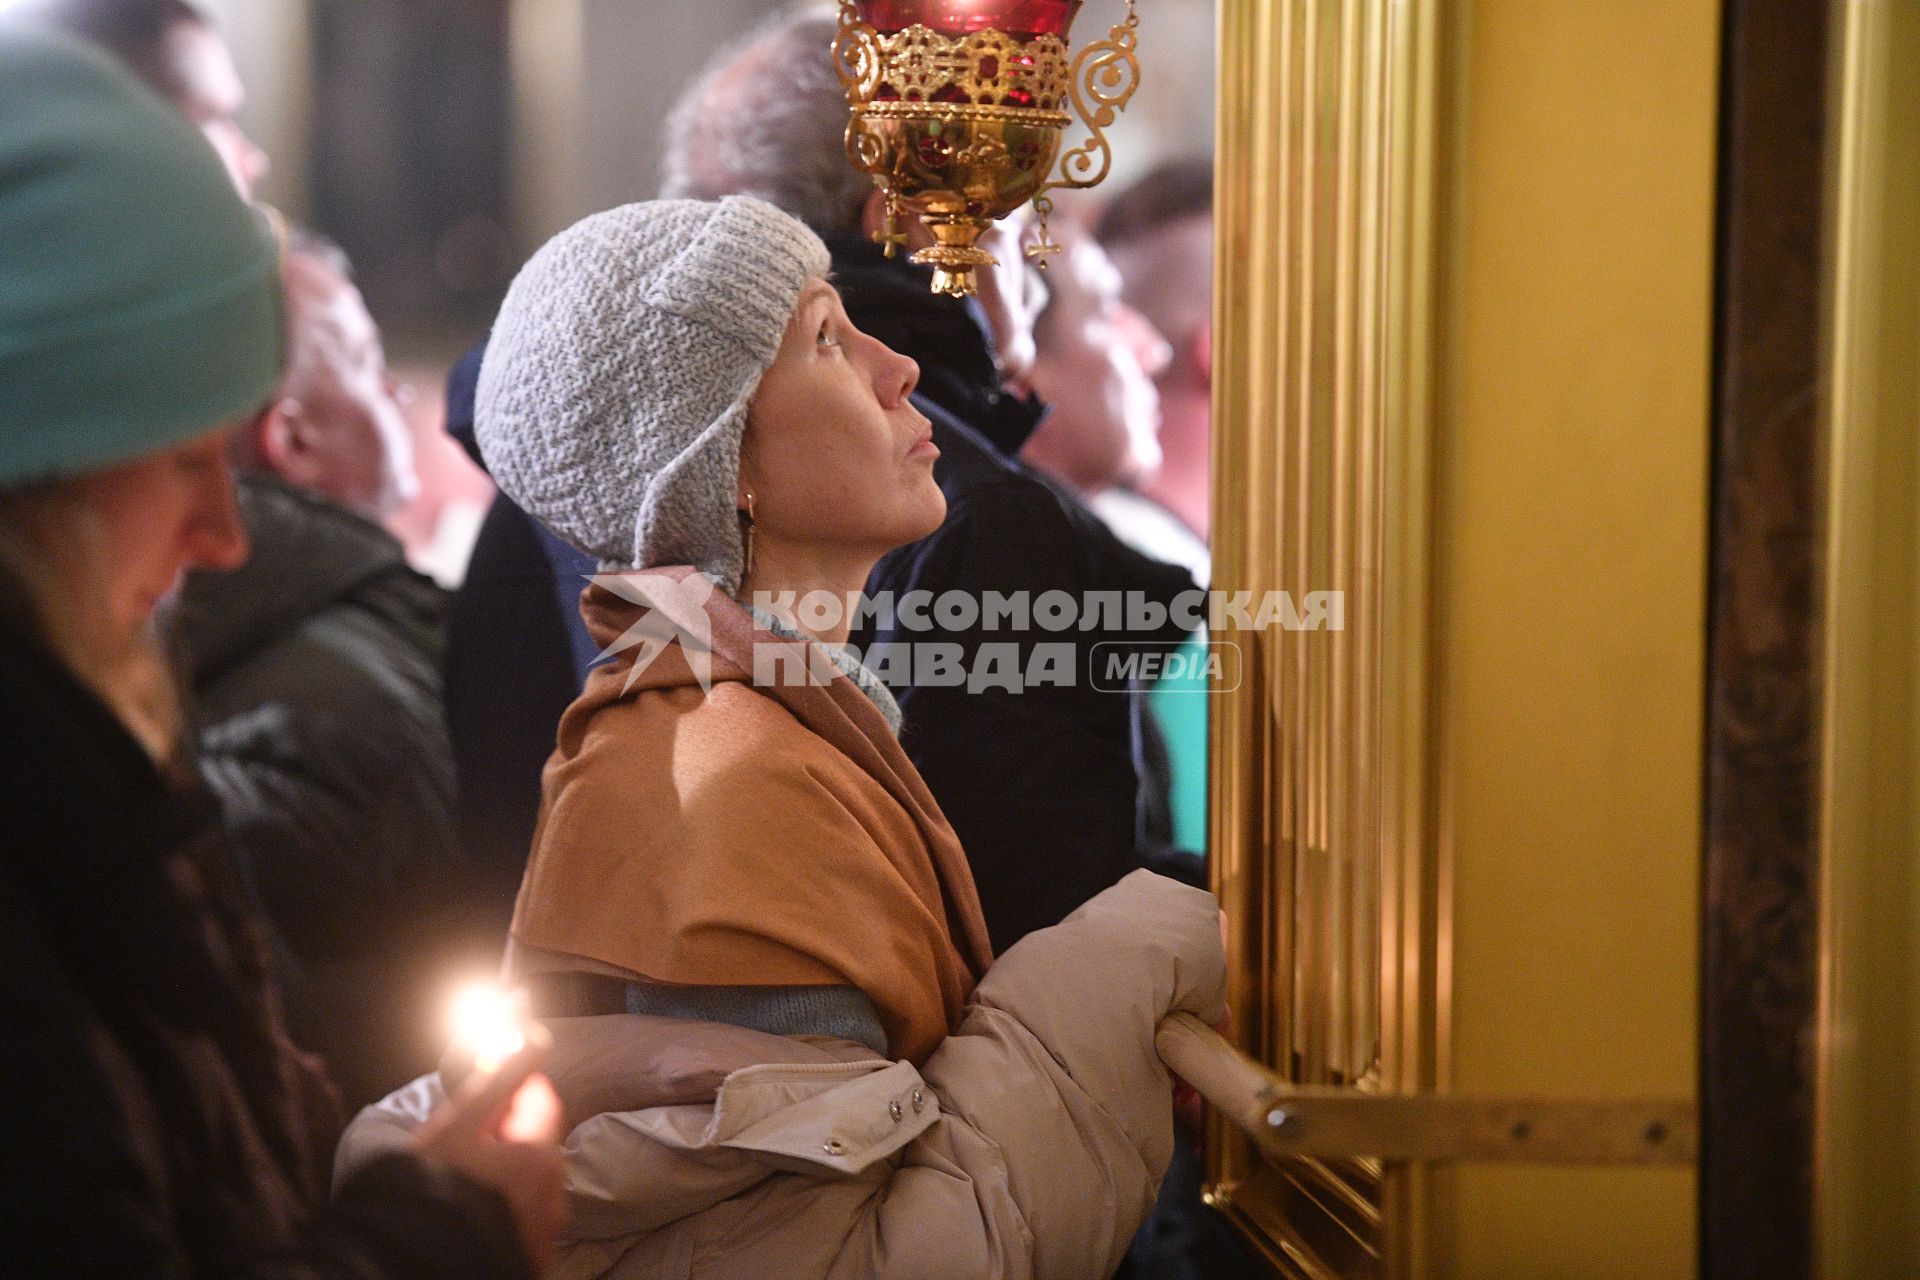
[895, 376]
[216, 536]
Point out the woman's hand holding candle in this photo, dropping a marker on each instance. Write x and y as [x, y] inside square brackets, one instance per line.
[502, 1127]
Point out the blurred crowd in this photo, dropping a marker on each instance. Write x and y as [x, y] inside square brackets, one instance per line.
[274, 786]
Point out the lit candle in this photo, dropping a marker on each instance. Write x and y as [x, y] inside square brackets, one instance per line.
[489, 1024]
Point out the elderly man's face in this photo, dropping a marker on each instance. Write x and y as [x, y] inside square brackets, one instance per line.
[344, 432]
[1097, 361]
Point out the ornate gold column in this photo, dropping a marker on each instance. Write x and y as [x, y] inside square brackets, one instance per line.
[1324, 854]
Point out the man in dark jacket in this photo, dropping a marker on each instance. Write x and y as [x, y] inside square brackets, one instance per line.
[315, 679]
[315, 668]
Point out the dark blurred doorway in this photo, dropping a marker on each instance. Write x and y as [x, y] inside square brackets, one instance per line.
[410, 159]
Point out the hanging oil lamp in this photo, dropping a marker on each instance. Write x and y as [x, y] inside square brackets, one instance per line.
[958, 111]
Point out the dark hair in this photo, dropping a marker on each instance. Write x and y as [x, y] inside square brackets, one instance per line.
[134, 31]
[1172, 191]
[18, 615]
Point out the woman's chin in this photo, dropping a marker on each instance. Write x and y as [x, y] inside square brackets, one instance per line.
[917, 525]
[920, 510]
[934, 513]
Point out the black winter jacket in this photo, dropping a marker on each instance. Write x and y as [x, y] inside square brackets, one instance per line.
[155, 1121]
[314, 672]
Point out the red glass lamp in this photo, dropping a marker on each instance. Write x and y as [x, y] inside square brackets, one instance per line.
[959, 106]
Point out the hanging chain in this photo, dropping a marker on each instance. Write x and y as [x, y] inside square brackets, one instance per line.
[1042, 248]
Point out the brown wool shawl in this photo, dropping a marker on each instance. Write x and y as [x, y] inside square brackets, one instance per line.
[744, 835]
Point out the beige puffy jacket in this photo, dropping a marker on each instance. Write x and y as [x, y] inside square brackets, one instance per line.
[1031, 1144]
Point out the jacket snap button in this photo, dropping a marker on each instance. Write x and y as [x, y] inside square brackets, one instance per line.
[834, 1147]
[919, 1102]
[893, 1109]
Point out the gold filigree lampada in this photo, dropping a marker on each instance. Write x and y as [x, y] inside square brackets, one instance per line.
[958, 111]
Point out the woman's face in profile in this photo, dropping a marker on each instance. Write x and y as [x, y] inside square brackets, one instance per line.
[162, 515]
[835, 453]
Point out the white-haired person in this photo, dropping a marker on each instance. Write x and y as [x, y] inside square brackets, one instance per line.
[782, 1038]
[155, 1118]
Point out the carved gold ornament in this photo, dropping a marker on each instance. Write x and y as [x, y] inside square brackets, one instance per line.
[963, 126]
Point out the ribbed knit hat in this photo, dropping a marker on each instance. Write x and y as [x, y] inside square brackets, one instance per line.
[139, 295]
[614, 392]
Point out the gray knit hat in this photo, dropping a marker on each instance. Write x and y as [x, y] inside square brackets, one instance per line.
[614, 391]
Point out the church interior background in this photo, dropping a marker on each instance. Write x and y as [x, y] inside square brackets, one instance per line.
[1573, 906]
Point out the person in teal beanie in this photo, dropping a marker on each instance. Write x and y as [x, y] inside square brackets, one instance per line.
[118, 344]
[155, 1119]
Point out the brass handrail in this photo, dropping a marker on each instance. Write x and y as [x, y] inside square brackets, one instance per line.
[1289, 1120]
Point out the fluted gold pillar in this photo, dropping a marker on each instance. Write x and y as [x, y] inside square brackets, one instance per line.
[1327, 151]
[1463, 328]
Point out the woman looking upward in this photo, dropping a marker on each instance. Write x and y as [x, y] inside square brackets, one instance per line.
[781, 1033]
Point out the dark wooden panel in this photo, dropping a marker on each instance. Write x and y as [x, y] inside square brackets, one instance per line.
[1761, 889]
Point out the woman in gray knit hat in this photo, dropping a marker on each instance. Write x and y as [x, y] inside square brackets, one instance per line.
[779, 1026]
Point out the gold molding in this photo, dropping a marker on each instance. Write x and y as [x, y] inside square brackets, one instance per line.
[1855, 98]
[1322, 844]
[1866, 1141]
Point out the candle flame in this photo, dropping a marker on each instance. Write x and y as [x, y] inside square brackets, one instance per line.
[489, 1022]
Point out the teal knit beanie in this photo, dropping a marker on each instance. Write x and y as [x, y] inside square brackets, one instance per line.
[139, 295]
